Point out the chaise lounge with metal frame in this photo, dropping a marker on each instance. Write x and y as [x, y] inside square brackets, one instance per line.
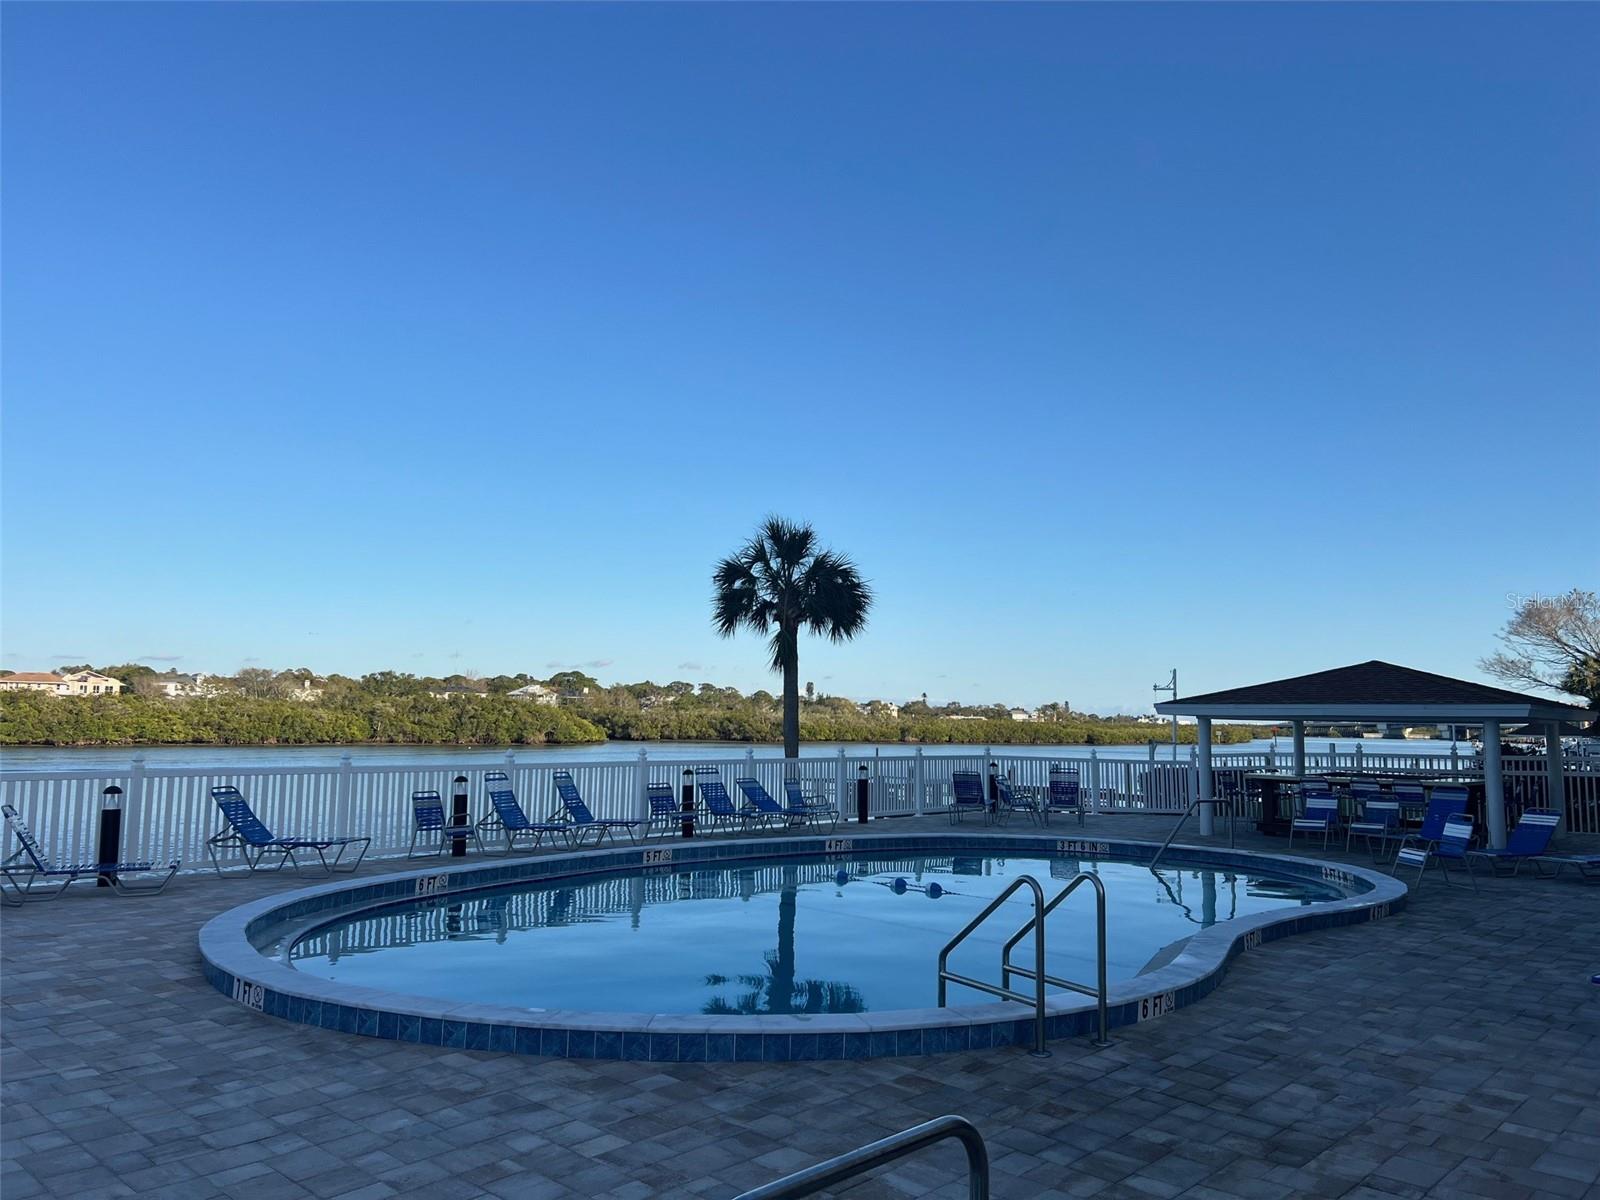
[580, 820]
[808, 806]
[759, 799]
[506, 818]
[241, 828]
[721, 811]
[1527, 842]
[29, 865]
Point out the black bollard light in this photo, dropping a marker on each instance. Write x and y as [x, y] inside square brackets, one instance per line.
[863, 794]
[458, 817]
[688, 802]
[110, 848]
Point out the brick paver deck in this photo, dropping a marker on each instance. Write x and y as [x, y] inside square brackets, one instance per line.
[1453, 1050]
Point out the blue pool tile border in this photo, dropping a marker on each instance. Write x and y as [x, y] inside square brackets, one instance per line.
[234, 964]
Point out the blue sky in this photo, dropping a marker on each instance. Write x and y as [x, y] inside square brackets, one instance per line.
[1254, 340]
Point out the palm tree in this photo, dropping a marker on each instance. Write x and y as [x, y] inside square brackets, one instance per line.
[781, 583]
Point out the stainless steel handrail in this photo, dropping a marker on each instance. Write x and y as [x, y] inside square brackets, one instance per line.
[1189, 812]
[1005, 993]
[897, 1145]
[1008, 968]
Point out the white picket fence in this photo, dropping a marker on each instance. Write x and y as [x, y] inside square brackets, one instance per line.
[168, 812]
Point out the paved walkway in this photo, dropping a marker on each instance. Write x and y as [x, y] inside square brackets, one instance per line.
[1451, 1051]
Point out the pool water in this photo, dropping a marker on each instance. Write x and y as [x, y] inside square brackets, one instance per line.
[797, 936]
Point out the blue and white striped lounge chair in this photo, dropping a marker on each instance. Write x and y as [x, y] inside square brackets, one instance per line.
[1065, 794]
[666, 815]
[969, 797]
[1527, 842]
[759, 799]
[580, 820]
[29, 865]
[1447, 801]
[721, 811]
[1321, 813]
[1413, 800]
[1012, 800]
[430, 823]
[1455, 837]
[243, 829]
[1378, 824]
[505, 816]
[808, 806]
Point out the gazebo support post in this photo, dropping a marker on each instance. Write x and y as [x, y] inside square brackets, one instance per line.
[1494, 788]
[1300, 749]
[1207, 813]
[1554, 784]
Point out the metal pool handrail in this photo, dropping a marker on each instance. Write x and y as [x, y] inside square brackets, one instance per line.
[1189, 812]
[896, 1145]
[1008, 969]
[1037, 999]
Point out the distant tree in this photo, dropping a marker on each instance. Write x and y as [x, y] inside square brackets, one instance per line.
[258, 683]
[780, 582]
[72, 670]
[130, 673]
[1553, 643]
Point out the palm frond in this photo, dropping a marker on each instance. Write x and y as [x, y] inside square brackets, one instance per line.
[837, 598]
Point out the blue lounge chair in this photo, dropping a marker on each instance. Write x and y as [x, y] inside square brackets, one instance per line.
[1321, 813]
[1527, 843]
[430, 822]
[1447, 801]
[721, 811]
[1012, 800]
[1379, 822]
[759, 799]
[580, 820]
[808, 806]
[969, 797]
[1413, 800]
[666, 815]
[1065, 794]
[506, 818]
[1455, 839]
[243, 829]
[29, 865]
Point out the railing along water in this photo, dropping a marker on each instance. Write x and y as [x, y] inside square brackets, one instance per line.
[168, 811]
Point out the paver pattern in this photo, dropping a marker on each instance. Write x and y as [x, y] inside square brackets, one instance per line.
[1453, 1050]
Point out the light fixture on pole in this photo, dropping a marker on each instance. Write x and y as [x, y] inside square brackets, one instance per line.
[1170, 687]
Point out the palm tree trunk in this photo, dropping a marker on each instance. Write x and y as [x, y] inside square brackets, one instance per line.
[791, 698]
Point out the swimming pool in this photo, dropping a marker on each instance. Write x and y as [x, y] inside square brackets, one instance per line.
[767, 949]
[812, 935]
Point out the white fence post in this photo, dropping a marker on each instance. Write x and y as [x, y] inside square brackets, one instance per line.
[750, 763]
[916, 782]
[1360, 756]
[1094, 781]
[841, 799]
[133, 809]
[343, 791]
[641, 805]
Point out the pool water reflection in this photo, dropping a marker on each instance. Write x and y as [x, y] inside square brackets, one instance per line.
[798, 936]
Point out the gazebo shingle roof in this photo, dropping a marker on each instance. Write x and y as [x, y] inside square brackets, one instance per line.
[1373, 682]
[1375, 690]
